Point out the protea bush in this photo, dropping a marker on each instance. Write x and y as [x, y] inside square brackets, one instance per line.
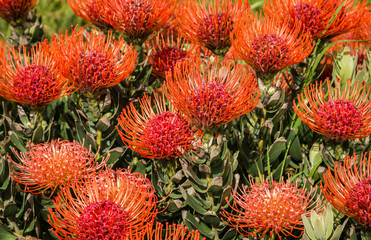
[186, 120]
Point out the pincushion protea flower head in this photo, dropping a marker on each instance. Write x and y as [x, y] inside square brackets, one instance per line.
[13, 10]
[89, 10]
[32, 77]
[271, 208]
[49, 166]
[108, 205]
[318, 16]
[209, 23]
[212, 94]
[168, 50]
[269, 45]
[137, 19]
[171, 232]
[342, 112]
[95, 61]
[348, 188]
[156, 132]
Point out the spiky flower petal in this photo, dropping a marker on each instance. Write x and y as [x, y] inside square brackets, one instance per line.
[341, 113]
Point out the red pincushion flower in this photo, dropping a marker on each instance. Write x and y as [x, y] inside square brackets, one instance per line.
[348, 188]
[339, 113]
[213, 94]
[269, 45]
[171, 232]
[156, 132]
[275, 208]
[49, 166]
[32, 78]
[95, 62]
[108, 205]
[317, 16]
[210, 24]
[137, 19]
[89, 10]
[13, 10]
[167, 50]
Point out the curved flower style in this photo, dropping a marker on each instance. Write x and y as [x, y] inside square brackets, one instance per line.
[340, 113]
[89, 10]
[349, 189]
[94, 63]
[269, 45]
[49, 166]
[108, 205]
[32, 78]
[209, 23]
[13, 10]
[172, 232]
[275, 208]
[168, 50]
[156, 132]
[317, 15]
[213, 94]
[137, 19]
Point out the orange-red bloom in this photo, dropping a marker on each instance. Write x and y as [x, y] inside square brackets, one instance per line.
[348, 189]
[137, 19]
[342, 112]
[89, 10]
[49, 166]
[93, 62]
[167, 50]
[317, 16]
[108, 205]
[275, 208]
[210, 23]
[32, 77]
[156, 132]
[269, 45]
[12, 10]
[211, 94]
[171, 232]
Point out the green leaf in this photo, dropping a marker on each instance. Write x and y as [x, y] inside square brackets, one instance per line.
[231, 234]
[295, 147]
[10, 209]
[20, 146]
[329, 220]
[193, 224]
[308, 228]
[197, 205]
[38, 134]
[275, 150]
[339, 230]
[6, 235]
[211, 218]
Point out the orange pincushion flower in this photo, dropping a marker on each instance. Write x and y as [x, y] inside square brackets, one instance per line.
[213, 94]
[275, 208]
[49, 166]
[172, 232]
[316, 16]
[339, 113]
[167, 50]
[89, 10]
[349, 189]
[108, 205]
[156, 132]
[13, 10]
[32, 77]
[137, 19]
[93, 63]
[269, 46]
[209, 23]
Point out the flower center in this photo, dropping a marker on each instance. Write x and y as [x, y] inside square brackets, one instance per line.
[310, 16]
[166, 59]
[340, 118]
[93, 13]
[103, 220]
[210, 102]
[359, 201]
[138, 15]
[94, 70]
[215, 30]
[167, 134]
[269, 50]
[35, 84]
